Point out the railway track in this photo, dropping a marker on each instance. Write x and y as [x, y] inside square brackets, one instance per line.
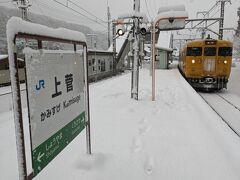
[229, 102]
[225, 109]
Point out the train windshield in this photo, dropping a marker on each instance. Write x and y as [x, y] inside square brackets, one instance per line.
[209, 51]
[225, 51]
[194, 51]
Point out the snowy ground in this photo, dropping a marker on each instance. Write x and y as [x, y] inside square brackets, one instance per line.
[227, 101]
[234, 80]
[176, 137]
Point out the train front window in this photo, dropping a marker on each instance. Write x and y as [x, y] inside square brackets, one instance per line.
[209, 51]
[194, 51]
[225, 51]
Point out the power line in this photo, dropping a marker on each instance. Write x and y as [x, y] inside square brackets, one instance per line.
[79, 13]
[86, 11]
[51, 7]
[148, 10]
[5, 2]
[39, 7]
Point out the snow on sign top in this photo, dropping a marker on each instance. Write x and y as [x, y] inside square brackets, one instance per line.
[177, 11]
[16, 25]
[172, 14]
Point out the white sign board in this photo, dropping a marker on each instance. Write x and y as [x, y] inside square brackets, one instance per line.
[56, 86]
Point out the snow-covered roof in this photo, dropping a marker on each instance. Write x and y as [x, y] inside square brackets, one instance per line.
[16, 25]
[3, 57]
[164, 41]
[99, 51]
[163, 48]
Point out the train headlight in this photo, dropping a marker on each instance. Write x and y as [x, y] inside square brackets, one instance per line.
[193, 61]
[225, 61]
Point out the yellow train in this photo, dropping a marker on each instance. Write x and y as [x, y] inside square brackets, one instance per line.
[206, 64]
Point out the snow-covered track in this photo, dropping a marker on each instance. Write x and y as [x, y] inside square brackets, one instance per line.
[225, 109]
[229, 102]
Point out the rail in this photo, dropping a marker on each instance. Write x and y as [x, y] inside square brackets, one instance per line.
[223, 119]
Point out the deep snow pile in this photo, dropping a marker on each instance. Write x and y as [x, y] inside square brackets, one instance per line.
[176, 137]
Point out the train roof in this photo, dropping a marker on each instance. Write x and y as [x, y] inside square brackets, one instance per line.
[201, 42]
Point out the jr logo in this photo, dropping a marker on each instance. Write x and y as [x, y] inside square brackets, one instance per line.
[40, 85]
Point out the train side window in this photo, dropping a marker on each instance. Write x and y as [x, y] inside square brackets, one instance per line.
[225, 51]
[194, 51]
[93, 61]
[209, 51]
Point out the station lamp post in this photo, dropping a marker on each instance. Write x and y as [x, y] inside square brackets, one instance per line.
[169, 18]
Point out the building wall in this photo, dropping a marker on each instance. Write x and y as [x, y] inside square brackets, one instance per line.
[100, 65]
[162, 59]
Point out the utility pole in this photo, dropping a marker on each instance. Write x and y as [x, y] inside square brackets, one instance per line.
[23, 7]
[222, 2]
[136, 43]
[109, 23]
[238, 28]
[221, 21]
[114, 48]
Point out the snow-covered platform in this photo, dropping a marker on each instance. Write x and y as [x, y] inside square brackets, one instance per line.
[176, 137]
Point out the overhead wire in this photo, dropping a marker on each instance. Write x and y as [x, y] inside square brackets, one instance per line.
[86, 11]
[40, 2]
[93, 20]
[148, 10]
[5, 2]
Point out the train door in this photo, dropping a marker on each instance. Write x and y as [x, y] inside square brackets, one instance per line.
[209, 61]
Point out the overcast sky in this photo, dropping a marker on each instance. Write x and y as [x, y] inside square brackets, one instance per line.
[98, 8]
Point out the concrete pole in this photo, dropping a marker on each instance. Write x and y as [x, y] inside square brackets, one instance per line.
[135, 59]
[23, 8]
[135, 70]
[222, 20]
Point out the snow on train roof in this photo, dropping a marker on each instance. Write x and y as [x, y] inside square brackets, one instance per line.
[16, 24]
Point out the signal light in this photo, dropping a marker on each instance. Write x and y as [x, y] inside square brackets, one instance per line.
[143, 29]
[120, 29]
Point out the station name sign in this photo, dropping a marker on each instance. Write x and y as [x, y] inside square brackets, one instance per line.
[55, 84]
